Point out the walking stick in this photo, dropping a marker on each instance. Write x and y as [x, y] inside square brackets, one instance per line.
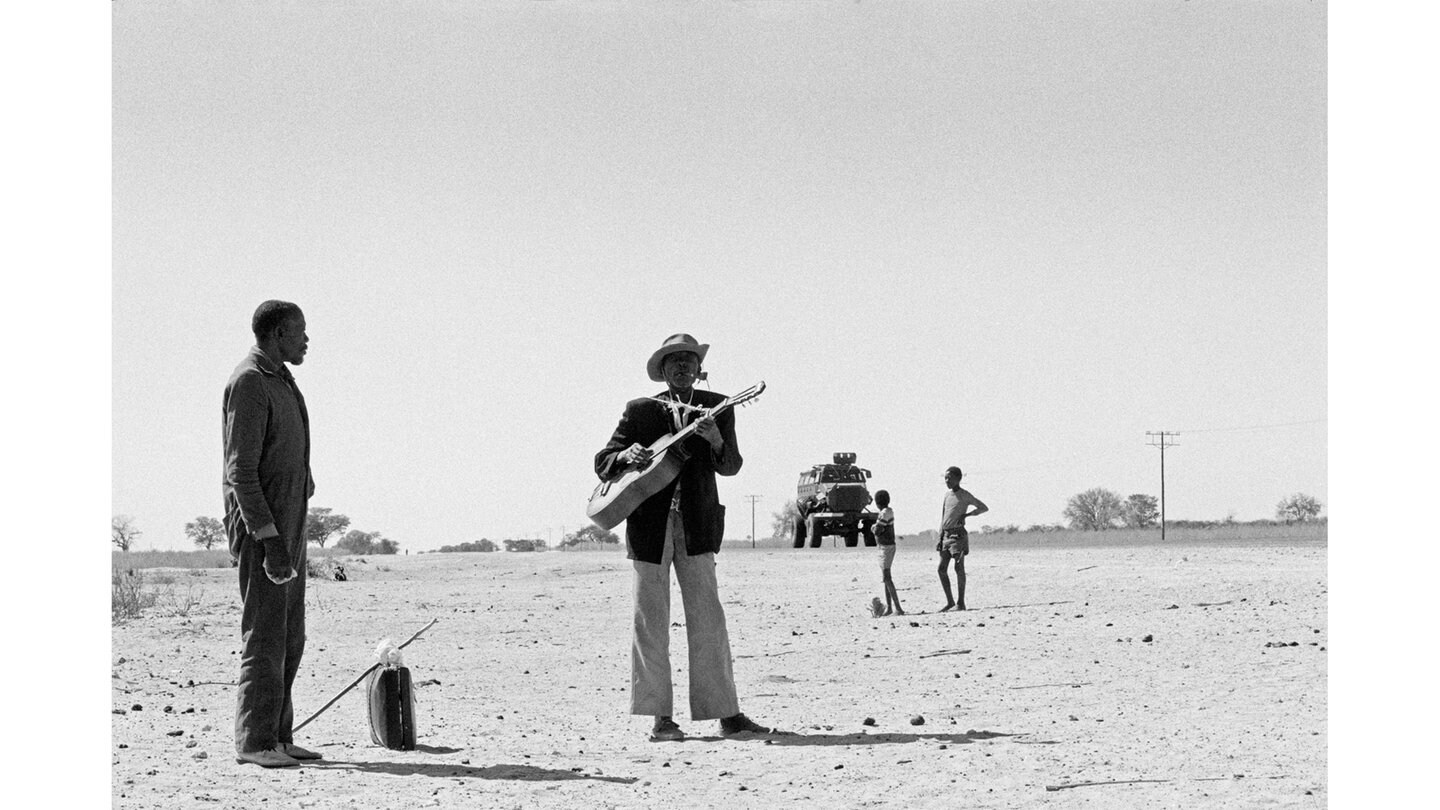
[357, 681]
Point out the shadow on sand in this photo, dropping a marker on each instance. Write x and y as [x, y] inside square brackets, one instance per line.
[884, 738]
[445, 770]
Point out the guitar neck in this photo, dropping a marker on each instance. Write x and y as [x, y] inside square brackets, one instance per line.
[684, 433]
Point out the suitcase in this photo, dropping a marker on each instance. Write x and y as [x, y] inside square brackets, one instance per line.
[392, 708]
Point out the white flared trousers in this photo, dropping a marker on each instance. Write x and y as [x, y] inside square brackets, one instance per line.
[712, 675]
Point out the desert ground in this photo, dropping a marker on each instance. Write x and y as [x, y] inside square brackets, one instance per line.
[1095, 674]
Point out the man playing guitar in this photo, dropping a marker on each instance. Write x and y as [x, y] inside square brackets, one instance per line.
[681, 525]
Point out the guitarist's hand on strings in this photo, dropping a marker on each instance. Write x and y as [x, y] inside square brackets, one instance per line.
[636, 455]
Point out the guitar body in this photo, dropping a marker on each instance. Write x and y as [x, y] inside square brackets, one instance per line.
[613, 501]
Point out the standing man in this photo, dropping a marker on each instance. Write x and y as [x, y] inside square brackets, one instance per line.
[681, 525]
[954, 540]
[267, 487]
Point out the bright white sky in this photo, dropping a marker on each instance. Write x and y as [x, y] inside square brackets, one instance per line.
[1010, 236]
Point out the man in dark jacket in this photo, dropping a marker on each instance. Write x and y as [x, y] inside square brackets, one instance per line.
[267, 487]
[681, 525]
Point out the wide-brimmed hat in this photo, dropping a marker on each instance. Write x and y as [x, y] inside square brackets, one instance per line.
[675, 343]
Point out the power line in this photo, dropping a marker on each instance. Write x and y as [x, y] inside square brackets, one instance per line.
[1255, 427]
[979, 472]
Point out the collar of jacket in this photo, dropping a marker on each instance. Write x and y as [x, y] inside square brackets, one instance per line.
[263, 362]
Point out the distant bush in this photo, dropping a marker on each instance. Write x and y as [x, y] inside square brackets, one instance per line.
[475, 545]
[214, 558]
[589, 534]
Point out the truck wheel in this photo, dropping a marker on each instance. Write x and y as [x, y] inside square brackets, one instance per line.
[799, 533]
[851, 539]
[868, 535]
[816, 532]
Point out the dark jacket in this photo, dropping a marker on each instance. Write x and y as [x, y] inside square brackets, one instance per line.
[267, 454]
[646, 421]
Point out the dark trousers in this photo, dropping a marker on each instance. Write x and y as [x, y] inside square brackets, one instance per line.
[272, 640]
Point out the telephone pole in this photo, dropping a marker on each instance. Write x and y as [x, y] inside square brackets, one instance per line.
[752, 499]
[1162, 439]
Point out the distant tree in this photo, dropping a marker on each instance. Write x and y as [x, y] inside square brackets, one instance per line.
[1140, 511]
[123, 531]
[1298, 507]
[321, 525]
[362, 543]
[1093, 510]
[590, 534]
[783, 522]
[521, 545]
[206, 532]
[356, 542]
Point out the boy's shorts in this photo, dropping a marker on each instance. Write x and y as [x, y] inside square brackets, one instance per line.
[887, 556]
[957, 543]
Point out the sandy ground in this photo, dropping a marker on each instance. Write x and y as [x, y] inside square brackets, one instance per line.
[1183, 676]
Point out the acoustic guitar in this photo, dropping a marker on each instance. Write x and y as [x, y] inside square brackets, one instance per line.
[614, 500]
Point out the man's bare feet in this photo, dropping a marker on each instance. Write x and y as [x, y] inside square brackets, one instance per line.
[950, 606]
[899, 612]
[887, 612]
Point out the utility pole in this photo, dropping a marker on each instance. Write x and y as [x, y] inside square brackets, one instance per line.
[752, 499]
[1162, 439]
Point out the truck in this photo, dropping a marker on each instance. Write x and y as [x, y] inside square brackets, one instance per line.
[830, 499]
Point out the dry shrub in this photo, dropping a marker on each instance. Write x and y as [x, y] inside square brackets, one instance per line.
[177, 604]
[325, 568]
[128, 596]
[131, 595]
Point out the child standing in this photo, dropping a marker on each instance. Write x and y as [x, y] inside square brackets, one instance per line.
[885, 538]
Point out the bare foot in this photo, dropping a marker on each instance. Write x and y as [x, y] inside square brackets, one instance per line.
[887, 611]
[950, 606]
[899, 612]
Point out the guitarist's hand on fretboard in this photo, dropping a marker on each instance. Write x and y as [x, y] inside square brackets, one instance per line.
[710, 432]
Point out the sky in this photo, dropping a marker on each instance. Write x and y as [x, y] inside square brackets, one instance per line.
[1013, 237]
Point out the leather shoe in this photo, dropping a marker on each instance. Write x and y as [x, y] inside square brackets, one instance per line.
[666, 730]
[296, 752]
[740, 724]
[269, 758]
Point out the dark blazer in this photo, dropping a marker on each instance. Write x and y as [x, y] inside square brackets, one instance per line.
[646, 421]
[266, 435]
